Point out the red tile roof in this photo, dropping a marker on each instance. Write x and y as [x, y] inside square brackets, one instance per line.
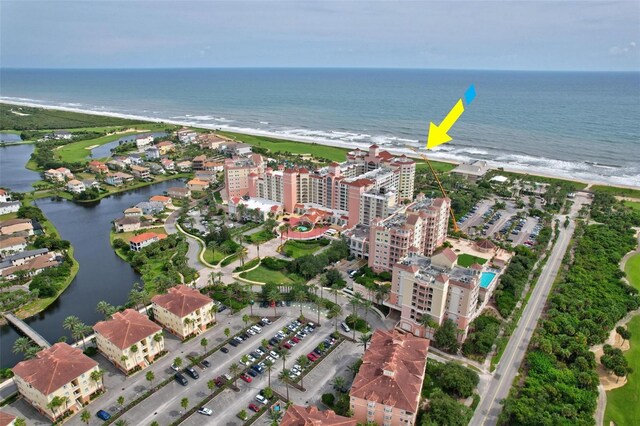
[54, 367]
[126, 328]
[485, 244]
[449, 254]
[6, 418]
[160, 198]
[392, 370]
[181, 300]
[297, 415]
[146, 236]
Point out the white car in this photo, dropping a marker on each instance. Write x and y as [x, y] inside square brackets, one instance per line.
[266, 320]
[261, 399]
[251, 332]
[294, 373]
[270, 359]
[206, 411]
[175, 368]
[260, 351]
[273, 354]
[256, 328]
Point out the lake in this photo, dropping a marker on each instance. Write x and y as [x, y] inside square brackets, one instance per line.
[13, 174]
[105, 150]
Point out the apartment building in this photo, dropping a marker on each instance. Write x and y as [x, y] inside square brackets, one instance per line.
[435, 286]
[127, 339]
[421, 226]
[183, 311]
[236, 174]
[297, 415]
[388, 385]
[59, 371]
[60, 174]
[138, 242]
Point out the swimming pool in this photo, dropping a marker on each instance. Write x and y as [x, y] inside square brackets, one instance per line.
[486, 278]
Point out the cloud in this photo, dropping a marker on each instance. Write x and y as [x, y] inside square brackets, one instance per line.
[624, 50]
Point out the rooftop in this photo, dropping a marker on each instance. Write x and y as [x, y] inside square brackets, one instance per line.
[181, 300]
[297, 415]
[126, 328]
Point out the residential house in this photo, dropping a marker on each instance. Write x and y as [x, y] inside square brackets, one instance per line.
[116, 164]
[128, 224]
[12, 266]
[152, 153]
[5, 196]
[297, 415]
[210, 141]
[133, 212]
[165, 147]
[198, 162]
[9, 207]
[75, 186]
[235, 149]
[186, 135]
[213, 166]
[166, 201]
[98, 167]
[180, 193]
[60, 174]
[169, 165]
[197, 185]
[62, 135]
[91, 183]
[150, 207]
[140, 172]
[473, 170]
[118, 178]
[143, 141]
[12, 245]
[12, 226]
[206, 175]
[183, 311]
[128, 339]
[59, 371]
[388, 386]
[184, 166]
[156, 169]
[138, 242]
[136, 159]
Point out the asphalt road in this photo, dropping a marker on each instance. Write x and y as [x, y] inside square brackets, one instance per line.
[490, 405]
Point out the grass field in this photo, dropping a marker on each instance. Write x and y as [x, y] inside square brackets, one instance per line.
[438, 166]
[298, 249]
[264, 275]
[623, 404]
[214, 257]
[613, 190]
[261, 236]
[632, 268]
[465, 260]
[633, 204]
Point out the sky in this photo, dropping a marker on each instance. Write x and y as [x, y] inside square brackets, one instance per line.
[518, 35]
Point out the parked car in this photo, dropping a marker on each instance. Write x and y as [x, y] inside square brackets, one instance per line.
[233, 343]
[206, 363]
[266, 320]
[251, 332]
[254, 407]
[261, 399]
[238, 339]
[224, 350]
[246, 378]
[312, 357]
[206, 411]
[192, 372]
[181, 379]
[220, 381]
[103, 415]
[345, 327]
[222, 308]
[252, 373]
[175, 367]
[256, 329]
[286, 345]
[274, 354]
[295, 339]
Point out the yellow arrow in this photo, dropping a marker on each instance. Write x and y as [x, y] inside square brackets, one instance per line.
[438, 134]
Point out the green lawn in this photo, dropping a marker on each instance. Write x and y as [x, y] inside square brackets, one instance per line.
[261, 236]
[321, 151]
[614, 190]
[623, 404]
[633, 204]
[214, 257]
[264, 275]
[632, 268]
[465, 260]
[438, 166]
[298, 249]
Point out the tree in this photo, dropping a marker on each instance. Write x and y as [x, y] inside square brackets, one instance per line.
[284, 377]
[22, 345]
[339, 383]
[457, 380]
[105, 309]
[121, 422]
[273, 297]
[283, 354]
[22, 422]
[120, 401]
[234, 369]
[428, 323]
[245, 319]
[334, 312]
[269, 366]
[204, 343]
[300, 296]
[85, 417]
[227, 332]
[211, 384]
[158, 337]
[97, 376]
[150, 377]
[71, 323]
[303, 361]
[624, 333]
[54, 404]
[134, 350]
[444, 410]
[364, 340]
[184, 403]
[446, 337]
[188, 322]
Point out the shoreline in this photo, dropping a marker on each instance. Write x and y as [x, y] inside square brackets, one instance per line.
[334, 143]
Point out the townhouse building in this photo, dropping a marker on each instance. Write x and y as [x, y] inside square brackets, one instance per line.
[184, 311]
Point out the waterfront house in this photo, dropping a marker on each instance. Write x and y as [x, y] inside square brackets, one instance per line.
[127, 340]
[31, 266]
[12, 245]
[184, 166]
[75, 186]
[297, 415]
[183, 311]
[136, 159]
[13, 226]
[197, 185]
[118, 178]
[165, 147]
[169, 165]
[133, 212]
[116, 165]
[235, 149]
[388, 386]
[152, 153]
[91, 183]
[9, 207]
[180, 193]
[473, 170]
[98, 167]
[5, 196]
[143, 141]
[150, 207]
[156, 169]
[60, 174]
[60, 371]
[138, 242]
[186, 135]
[62, 135]
[166, 201]
[140, 172]
[127, 224]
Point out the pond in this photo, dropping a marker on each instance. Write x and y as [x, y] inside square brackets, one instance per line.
[105, 150]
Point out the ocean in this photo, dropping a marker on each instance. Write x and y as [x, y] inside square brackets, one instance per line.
[575, 125]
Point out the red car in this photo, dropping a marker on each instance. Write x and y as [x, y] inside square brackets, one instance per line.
[254, 407]
[295, 339]
[286, 345]
[246, 378]
[312, 357]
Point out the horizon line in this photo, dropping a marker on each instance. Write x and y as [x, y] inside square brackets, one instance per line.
[315, 68]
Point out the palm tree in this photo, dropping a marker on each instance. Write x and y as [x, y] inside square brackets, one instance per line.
[158, 337]
[428, 323]
[134, 351]
[204, 343]
[269, 366]
[258, 248]
[303, 361]
[334, 291]
[283, 354]
[97, 376]
[150, 377]
[274, 296]
[246, 318]
[22, 345]
[284, 376]
[85, 417]
[366, 304]
[339, 382]
[364, 340]
[184, 403]
[300, 296]
[120, 401]
[54, 404]
[211, 384]
[242, 255]
[177, 362]
[227, 332]
[187, 323]
[234, 369]
[105, 309]
[334, 312]
[71, 323]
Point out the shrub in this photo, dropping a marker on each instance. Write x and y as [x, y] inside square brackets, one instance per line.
[328, 399]
[91, 351]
